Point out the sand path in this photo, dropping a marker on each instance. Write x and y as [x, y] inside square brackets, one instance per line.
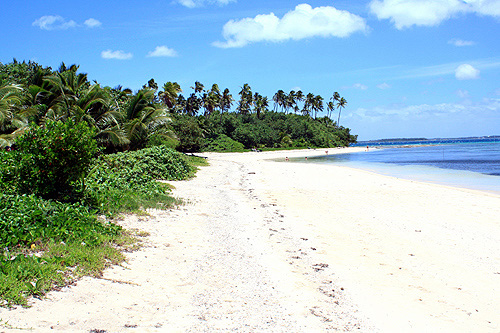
[227, 260]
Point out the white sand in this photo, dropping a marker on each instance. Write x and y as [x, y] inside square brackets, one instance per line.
[296, 247]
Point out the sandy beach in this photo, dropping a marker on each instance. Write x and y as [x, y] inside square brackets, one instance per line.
[274, 246]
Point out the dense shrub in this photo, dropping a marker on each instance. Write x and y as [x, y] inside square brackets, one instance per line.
[224, 143]
[8, 171]
[189, 133]
[128, 181]
[26, 219]
[54, 159]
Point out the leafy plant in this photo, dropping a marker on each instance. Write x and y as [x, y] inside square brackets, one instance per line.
[54, 159]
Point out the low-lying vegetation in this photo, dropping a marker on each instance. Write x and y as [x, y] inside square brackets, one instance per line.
[50, 238]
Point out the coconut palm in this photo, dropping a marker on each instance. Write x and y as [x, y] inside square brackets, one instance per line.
[11, 121]
[308, 103]
[144, 118]
[279, 99]
[169, 94]
[340, 105]
[260, 104]
[329, 108]
[226, 101]
[317, 105]
[246, 99]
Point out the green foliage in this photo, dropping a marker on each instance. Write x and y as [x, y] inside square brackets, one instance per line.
[55, 159]
[189, 133]
[26, 219]
[126, 181]
[276, 130]
[8, 171]
[224, 143]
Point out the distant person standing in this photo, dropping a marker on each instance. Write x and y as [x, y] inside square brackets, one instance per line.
[367, 148]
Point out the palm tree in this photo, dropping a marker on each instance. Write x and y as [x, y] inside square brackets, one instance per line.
[198, 87]
[246, 99]
[340, 105]
[143, 118]
[330, 107]
[193, 104]
[299, 97]
[279, 99]
[11, 121]
[317, 105]
[169, 94]
[309, 101]
[260, 104]
[290, 101]
[211, 100]
[226, 101]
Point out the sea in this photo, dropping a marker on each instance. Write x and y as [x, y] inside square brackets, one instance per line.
[472, 163]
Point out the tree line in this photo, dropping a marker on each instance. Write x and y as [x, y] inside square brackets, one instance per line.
[125, 120]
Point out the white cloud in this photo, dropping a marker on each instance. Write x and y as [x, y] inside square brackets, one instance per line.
[120, 55]
[459, 42]
[405, 13]
[92, 23]
[300, 23]
[54, 22]
[360, 86]
[485, 7]
[201, 3]
[383, 86]
[162, 51]
[466, 72]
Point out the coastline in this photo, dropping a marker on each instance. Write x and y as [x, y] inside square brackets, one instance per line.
[262, 245]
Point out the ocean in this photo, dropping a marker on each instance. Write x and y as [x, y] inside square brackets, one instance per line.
[469, 163]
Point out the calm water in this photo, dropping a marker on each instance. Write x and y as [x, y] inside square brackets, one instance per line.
[473, 165]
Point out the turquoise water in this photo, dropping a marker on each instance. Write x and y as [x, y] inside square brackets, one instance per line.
[474, 165]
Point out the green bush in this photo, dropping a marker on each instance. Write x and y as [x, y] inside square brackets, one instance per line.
[128, 181]
[189, 133]
[224, 143]
[26, 219]
[8, 171]
[54, 159]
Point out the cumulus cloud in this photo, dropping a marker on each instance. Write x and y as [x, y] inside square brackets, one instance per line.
[92, 23]
[406, 13]
[459, 42]
[162, 51]
[120, 55]
[466, 72]
[54, 22]
[302, 22]
[201, 3]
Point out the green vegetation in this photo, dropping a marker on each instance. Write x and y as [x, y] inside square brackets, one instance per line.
[122, 120]
[75, 150]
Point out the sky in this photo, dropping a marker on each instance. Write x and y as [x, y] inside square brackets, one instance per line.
[407, 68]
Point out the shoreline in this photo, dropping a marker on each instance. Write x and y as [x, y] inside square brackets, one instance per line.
[427, 240]
[262, 245]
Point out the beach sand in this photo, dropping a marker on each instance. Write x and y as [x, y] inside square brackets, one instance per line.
[274, 246]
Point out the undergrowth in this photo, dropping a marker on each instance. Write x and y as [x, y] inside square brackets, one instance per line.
[48, 244]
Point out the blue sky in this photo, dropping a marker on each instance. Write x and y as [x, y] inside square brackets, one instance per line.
[407, 68]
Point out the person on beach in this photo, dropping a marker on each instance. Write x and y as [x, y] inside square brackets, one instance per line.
[286, 159]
